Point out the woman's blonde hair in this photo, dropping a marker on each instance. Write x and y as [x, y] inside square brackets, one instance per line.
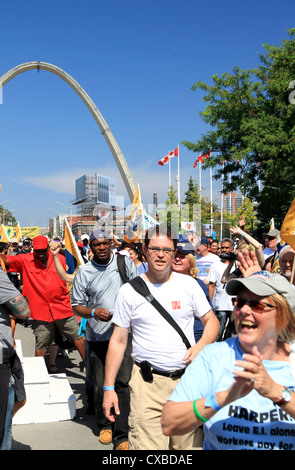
[245, 246]
[285, 319]
[193, 271]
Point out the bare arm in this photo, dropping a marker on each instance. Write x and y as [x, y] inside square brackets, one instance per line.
[210, 333]
[211, 288]
[114, 358]
[55, 249]
[101, 314]
[19, 307]
[252, 241]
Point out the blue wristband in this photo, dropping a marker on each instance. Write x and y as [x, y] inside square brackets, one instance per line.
[92, 312]
[109, 387]
[211, 401]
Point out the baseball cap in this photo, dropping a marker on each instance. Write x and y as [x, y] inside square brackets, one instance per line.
[264, 283]
[84, 236]
[14, 240]
[204, 241]
[99, 234]
[26, 241]
[40, 242]
[185, 247]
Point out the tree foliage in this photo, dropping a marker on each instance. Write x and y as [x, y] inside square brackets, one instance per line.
[251, 116]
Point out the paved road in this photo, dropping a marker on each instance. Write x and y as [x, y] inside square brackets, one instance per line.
[78, 434]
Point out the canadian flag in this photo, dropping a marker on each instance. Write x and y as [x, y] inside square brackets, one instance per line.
[174, 153]
[166, 159]
[201, 158]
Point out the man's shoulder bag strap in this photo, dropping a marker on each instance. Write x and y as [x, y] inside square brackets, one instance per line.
[141, 288]
[122, 268]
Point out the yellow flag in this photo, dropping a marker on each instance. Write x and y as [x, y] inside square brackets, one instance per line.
[287, 232]
[18, 232]
[135, 227]
[3, 235]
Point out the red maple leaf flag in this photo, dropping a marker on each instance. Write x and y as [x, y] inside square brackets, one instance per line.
[201, 158]
[164, 160]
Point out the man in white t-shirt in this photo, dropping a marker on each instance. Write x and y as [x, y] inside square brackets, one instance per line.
[204, 260]
[159, 354]
[222, 301]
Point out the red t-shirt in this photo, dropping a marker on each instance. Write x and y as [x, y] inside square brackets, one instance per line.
[48, 295]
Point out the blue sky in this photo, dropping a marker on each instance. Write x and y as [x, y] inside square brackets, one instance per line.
[137, 60]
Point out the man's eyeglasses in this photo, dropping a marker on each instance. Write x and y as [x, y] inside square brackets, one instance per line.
[154, 250]
[257, 306]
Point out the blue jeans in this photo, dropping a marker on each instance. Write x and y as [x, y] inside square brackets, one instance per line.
[7, 436]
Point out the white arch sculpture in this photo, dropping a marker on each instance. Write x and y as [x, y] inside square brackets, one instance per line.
[105, 130]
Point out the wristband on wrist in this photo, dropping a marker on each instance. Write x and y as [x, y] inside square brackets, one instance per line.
[109, 387]
[243, 234]
[92, 312]
[211, 401]
[197, 413]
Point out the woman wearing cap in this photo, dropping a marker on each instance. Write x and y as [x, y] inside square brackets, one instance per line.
[242, 389]
[184, 262]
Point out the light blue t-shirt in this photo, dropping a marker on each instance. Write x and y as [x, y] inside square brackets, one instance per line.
[250, 423]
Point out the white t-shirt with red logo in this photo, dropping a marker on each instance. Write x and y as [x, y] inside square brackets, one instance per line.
[153, 339]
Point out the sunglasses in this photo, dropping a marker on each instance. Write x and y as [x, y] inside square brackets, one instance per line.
[257, 306]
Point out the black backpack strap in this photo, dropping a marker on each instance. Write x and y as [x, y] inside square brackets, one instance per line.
[141, 288]
[122, 268]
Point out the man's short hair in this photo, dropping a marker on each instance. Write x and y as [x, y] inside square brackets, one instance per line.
[228, 240]
[161, 229]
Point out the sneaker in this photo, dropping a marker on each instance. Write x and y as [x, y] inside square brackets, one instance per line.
[106, 436]
[123, 446]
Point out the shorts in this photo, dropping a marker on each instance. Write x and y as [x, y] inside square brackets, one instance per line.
[45, 331]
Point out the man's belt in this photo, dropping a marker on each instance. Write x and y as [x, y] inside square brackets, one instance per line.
[170, 373]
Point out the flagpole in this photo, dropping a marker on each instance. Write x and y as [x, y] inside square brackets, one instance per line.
[178, 179]
[211, 198]
[169, 177]
[221, 204]
[200, 180]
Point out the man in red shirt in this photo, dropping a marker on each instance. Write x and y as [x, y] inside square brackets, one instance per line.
[48, 296]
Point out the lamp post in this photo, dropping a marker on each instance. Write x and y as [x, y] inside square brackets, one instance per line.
[68, 208]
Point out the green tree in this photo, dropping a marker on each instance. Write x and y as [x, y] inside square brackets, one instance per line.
[247, 212]
[171, 215]
[252, 137]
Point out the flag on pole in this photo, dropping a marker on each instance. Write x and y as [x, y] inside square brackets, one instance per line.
[139, 220]
[164, 160]
[287, 232]
[134, 228]
[18, 232]
[201, 158]
[167, 157]
[3, 235]
[73, 256]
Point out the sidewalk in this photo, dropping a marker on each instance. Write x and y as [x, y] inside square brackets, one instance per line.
[78, 434]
